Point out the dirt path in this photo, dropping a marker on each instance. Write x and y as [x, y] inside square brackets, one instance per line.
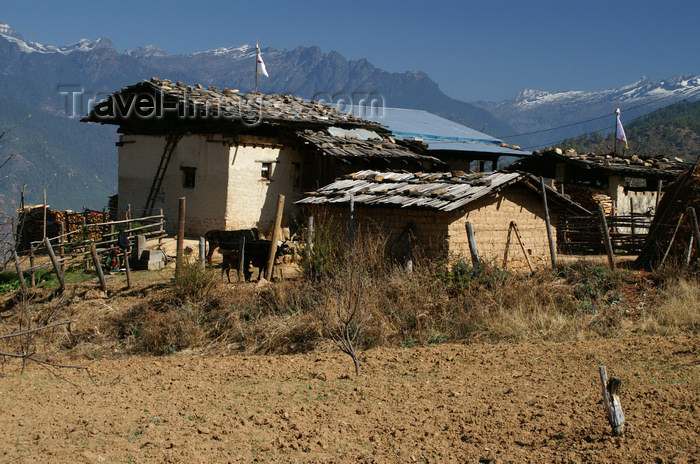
[446, 403]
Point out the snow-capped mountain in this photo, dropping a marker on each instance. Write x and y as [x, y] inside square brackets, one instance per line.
[641, 91]
[50, 81]
[83, 45]
[538, 110]
[146, 51]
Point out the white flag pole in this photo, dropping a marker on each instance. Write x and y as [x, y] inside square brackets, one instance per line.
[617, 115]
[256, 65]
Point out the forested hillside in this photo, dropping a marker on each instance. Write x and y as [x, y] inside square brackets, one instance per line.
[673, 131]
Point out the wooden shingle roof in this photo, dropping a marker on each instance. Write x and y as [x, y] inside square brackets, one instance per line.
[213, 102]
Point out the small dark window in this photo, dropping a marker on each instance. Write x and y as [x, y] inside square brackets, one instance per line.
[266, 171]
[188, 176]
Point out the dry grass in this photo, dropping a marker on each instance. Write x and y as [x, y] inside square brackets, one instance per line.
[437, 302]
[677, 310]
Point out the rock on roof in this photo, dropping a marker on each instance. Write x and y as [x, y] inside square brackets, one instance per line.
[634, 166]
[443, 191]
[360, 143]
[214, 102]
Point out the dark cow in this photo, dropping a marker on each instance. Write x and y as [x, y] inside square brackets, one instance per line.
[256, 253]
[228, 240]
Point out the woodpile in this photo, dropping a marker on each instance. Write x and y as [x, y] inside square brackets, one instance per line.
[31, 225]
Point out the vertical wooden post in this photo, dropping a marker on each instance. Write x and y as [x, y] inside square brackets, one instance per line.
[550, 237]
[126, 252]
[611, 399]
[632, 229]
[56, 265]
[606, 236]
[310, 237]
[20, 275]
[352, 221]
[202, 252]
[128, 211]
[44, 228]
[241, 260]
[659, 186]
[98, 267]
[689, 252]
[32, 275]
[275, 237]
[180, 235]
[472, 245]
[694, 223]
[62, 239]
[161, 228]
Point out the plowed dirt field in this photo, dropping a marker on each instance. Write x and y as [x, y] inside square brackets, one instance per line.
[445, 403]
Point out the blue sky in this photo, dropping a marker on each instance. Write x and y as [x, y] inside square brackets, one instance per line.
[485, 50]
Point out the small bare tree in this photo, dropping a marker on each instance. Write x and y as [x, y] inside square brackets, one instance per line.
[348, 289]
[344, 313]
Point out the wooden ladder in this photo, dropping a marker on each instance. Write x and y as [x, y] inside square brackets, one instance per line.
[170, 145]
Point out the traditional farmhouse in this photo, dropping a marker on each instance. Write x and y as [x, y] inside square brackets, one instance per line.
[231, 154]
[435, 208]
[624, 184]
[461, 147]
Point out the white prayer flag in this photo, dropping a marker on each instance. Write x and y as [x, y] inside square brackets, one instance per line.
[620, 132]
[261, 63]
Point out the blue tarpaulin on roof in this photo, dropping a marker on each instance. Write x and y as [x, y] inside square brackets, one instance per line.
[437, 132]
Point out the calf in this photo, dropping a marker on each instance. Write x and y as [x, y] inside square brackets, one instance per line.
[230, 261]
[227, 240]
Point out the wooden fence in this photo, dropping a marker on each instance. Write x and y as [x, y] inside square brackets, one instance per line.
[76, 245]
[583, 234]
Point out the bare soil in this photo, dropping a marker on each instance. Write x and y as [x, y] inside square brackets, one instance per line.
[442, 403]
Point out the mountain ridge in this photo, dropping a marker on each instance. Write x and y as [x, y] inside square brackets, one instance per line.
[34, 77]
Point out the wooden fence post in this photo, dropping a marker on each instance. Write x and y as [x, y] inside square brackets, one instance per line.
[310, 237]
[44, 224]
[241, 259]
[689, 252]
[180, 235]
[126, 266]
[56, 265]
[606, 236]
[32, 276]
[611, 399]
[62, 238]
[20, 275]
[632, 230]
[550, 237]
[98, 267]
[472, 245]
[275, 237]
[202, 252]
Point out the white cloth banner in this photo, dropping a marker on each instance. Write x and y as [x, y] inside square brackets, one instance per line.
[261, 63]
[620, 133]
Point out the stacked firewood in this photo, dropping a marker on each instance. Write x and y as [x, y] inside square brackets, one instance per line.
[31, 225]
